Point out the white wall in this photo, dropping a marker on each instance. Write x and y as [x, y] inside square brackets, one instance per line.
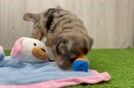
[109, 22]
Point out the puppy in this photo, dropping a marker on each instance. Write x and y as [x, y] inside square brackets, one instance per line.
[65, 32]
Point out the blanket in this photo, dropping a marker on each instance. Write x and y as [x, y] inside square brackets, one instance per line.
[14, 74]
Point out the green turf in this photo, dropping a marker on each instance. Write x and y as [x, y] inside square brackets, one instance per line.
[7, 52]
[118, 62]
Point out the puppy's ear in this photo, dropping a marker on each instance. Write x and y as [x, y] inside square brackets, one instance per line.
[31, 17]
[58, 7]
[90, 43]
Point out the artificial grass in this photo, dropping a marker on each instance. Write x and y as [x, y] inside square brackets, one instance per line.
[118, 62]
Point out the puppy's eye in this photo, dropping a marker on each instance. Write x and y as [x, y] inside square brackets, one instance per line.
[35, 44]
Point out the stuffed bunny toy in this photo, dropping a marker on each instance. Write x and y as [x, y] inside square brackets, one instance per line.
[28, 50]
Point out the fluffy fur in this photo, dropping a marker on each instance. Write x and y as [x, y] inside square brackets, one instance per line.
[66, 34]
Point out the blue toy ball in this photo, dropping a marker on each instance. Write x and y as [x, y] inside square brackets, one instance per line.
[80, 65]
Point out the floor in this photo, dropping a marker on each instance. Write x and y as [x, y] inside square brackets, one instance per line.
[118, 62]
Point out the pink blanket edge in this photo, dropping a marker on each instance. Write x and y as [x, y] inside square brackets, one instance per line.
[98, 77]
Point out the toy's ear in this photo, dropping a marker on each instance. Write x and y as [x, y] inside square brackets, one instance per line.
[44, 39]
[17, 47]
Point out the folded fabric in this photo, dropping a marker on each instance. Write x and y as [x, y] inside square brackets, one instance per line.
[14, 73]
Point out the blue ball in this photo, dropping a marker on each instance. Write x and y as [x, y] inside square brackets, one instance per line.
[80, 65]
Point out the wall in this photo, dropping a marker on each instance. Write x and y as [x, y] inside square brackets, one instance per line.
[109, 22]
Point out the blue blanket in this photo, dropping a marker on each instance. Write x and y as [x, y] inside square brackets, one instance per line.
[13, 71]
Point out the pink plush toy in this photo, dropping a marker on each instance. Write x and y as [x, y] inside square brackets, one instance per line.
[28, 50]
[1, 53]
